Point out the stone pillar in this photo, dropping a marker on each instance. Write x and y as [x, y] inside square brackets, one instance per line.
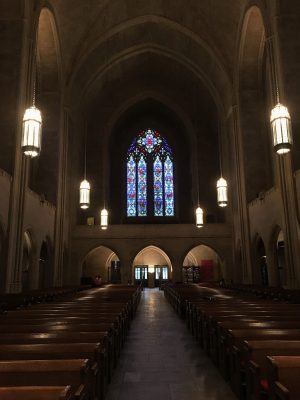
[240, 211]
[20, 170]
[285, 177]
[61, 220]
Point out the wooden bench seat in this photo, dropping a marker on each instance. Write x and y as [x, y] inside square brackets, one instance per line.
[38, 393]
[79, 374]
[57, 351]
[284, 377]
[249, 364]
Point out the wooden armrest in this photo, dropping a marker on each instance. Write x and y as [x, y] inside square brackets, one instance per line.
[281, 392]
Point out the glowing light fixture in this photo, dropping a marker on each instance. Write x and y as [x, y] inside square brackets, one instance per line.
[84, 193]
[85, 187]
[32, 131]
[199, 217]
[281, 129]
[222, 192]
[104, 219]
[151, 269]
[32, 124]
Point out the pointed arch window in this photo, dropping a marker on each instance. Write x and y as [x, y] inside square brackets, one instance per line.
[150, 176]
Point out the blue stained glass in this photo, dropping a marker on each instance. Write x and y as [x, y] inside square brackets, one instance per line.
[131, 187]
[142, 187]
[158, 187]
[149, 140]
[169, 187]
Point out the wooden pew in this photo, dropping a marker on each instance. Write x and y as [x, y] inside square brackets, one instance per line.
[67, 337]
[38, 393]
[80, 375]
[252, 359]
[57, 351]
[284, 377]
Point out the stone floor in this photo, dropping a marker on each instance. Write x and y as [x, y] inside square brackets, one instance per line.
[161, 360]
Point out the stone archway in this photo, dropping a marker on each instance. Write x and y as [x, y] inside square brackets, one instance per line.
[202, 264]
[280, 260]
[260, 274]
[101, 261]
[26, 261]
[152, 265]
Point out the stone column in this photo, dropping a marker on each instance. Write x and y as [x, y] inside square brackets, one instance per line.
[17, 198]
[285, 179]
[61, 220]
[240, 209]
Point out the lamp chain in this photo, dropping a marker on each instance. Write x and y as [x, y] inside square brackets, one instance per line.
[220, 148]
[85, 135]
[273, 65]
[35, 69]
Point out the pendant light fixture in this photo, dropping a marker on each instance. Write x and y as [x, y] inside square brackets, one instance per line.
[32, 122]
[104, 219]
[222, 194]
[281, 128]
[199, 211]
[104, 212]
[199, 217]
[85, 188]
[280, 121]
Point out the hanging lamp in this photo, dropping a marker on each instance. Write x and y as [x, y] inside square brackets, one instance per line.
[281, 128]
[199, 211]
[85, 187]
[32, 123]
[104, 219]
[84, 191]
[199, 217]
[222, 194]
[280, 122]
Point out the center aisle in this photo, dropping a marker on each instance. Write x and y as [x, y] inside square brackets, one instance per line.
[161, 360]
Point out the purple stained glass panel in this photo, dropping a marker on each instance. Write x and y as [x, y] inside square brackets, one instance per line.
[131, 187]
[169, 187]
[158, 187]
[142, 187]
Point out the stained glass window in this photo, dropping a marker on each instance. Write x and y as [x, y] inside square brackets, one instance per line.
[150, 155]
[131, 187]
[169, 187]
[158, 187]
[142, 187]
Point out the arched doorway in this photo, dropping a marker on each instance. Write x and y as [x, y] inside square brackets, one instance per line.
[261, 262]
[280, 258]
[152, 266]
[201, 264]
[101, 261]
[45, 273]
[26, 262]
[2, 258]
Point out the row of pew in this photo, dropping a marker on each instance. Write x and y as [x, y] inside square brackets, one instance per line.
[254, 342]
[65, 349]
[14, 301]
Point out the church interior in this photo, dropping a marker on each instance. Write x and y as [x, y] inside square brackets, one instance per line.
[151, 145]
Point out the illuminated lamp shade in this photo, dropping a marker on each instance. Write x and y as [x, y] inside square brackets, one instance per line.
[199, 217]
[104, 219]
[222, 192]
[84, 192]
[281, 129]
[32, 132]
[151, 269]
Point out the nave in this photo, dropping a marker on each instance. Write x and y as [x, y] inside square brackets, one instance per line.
[162, 361]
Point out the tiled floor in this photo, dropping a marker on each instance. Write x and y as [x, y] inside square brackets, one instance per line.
[161, 360]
